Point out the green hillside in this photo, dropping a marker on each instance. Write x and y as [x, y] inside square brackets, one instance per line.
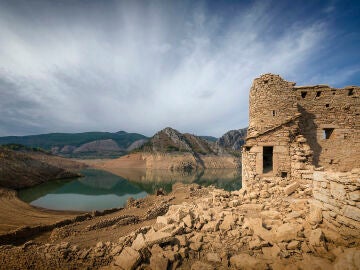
[47, 141]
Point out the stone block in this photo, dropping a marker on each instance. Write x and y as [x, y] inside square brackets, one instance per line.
[317, 241]
[289, 189]
[245, 261]
[281, 149]
[333, 208]
[293, 245]
[355, 196]
[337, 190]
[188, 220]
[326, 199]
[128, 259]
[315, 216]
[287, 232]
[256, 225]
[159, 262]
[211, 226]
[318, 176]
[152, 238]
[307, 176]
[139, 242]
[213, 257]
[228, 222]
[352, 212]
[162, 219]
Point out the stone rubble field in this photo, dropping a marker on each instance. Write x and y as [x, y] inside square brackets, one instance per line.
[275, 228]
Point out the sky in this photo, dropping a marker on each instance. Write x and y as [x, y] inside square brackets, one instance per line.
[140, 66]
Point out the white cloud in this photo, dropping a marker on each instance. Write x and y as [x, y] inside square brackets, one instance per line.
[143, 67]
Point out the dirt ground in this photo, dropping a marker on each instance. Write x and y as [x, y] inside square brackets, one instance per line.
[15, 213]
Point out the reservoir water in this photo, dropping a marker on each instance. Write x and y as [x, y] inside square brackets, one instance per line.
[99, 190]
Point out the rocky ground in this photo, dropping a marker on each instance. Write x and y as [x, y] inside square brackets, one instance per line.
[206, 228]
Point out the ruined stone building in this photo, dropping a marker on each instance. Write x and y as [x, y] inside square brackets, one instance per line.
[306, 136]
[325, 122]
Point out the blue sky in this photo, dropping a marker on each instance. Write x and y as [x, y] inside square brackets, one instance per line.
[139, 66]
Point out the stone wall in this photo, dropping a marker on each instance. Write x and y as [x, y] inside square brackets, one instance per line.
[328, 118]
[338, 196]
[301, 160]
[338, 112]
[271, 102]
[252, 154]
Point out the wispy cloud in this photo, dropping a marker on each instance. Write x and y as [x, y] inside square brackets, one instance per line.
[141, 66]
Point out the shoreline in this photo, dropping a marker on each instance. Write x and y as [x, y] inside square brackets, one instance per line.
[20, 214]
[37, 220]
[26, 222]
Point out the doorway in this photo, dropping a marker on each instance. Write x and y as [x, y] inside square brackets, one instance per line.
[268, 159]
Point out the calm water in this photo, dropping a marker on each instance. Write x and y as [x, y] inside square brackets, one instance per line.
[99, 190]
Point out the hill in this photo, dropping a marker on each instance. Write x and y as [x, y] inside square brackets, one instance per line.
[171, 150]
[170, 140]
[232, 140]
[86, 144]
[25, 168]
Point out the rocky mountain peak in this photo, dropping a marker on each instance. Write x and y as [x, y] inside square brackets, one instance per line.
[168, 140]
[233, 139]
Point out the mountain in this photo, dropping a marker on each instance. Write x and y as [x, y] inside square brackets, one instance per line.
[171, 150]
[233, 139]
[86, 144]
[136, 144]
[170, 140]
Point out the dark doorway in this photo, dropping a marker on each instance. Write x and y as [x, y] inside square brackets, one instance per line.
[327, 133]
[267, 159]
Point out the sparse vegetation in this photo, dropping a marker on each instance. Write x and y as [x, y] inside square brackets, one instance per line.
[20, 147]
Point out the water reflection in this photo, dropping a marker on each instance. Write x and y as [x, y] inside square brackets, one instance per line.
[151, 180]
[99, 190]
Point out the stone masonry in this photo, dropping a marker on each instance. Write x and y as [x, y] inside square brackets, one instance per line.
[326, 117]
[309, 136]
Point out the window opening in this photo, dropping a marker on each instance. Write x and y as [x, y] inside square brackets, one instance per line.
[273, 113]
[351, 92]
[283, 174]
[318, 93]
[327, 132]
[327, 105]
[303, 94]
[268, 159]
